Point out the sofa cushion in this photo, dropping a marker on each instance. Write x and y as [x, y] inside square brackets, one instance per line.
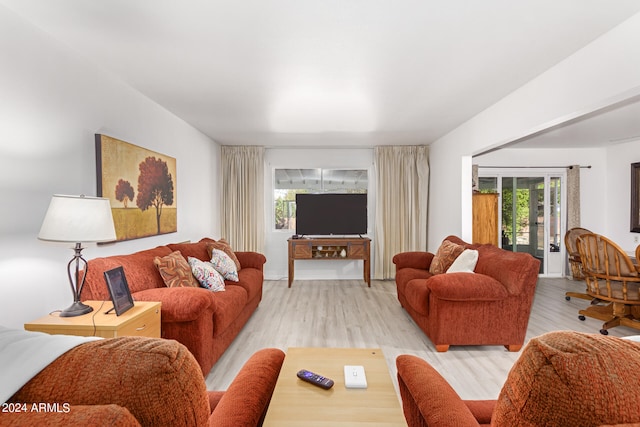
[207, 275]
[250, 279]
[138, 267]
[228, 306]
[447, 253]
[175, 270]
[572, 379]
[224, 246]
[224, 265]
[465, 263]
[196, 250]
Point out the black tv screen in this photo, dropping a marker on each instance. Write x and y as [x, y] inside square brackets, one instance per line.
[331, 214]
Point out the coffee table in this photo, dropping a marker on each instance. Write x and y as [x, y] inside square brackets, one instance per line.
[297, 403]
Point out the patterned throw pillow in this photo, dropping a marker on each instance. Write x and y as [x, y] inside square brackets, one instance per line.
[208, 277]
[447, 253]
[224, 265]
[224, 246]
[175, 271]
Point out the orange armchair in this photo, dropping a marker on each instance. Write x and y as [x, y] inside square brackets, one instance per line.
[143, 381]
[561, 378]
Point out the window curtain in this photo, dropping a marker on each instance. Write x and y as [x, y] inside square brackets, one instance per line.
[402, 183]
[573, 197]
[242, 205]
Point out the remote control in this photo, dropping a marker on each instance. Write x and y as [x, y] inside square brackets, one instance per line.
[315, 379]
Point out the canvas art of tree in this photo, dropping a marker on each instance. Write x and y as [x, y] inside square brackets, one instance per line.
[155, 186]
[148, 209]
[124, 192]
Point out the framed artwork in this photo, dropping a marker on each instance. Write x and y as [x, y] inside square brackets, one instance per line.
[118, 290]
[141, 186]
[635, 197]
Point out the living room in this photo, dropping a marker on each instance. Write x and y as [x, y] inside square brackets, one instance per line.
[54, 100]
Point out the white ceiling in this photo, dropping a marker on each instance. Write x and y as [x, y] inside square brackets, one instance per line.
[332, 72]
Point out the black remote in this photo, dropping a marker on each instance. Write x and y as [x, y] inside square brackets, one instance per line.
[315, 379]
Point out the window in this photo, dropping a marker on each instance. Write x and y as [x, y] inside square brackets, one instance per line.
[289, 182]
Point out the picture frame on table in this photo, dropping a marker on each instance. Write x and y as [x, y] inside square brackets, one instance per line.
[118, 290]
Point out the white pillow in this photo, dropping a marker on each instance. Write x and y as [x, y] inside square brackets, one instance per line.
[465, 263]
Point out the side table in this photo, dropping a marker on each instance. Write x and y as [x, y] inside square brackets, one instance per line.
[142, 320]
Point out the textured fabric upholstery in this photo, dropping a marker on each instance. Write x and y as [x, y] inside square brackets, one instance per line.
[145, 381]
[205, 322]
[572, 379]
[488, 307]
[562, 378]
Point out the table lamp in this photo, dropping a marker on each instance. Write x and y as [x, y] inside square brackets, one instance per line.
[77, 219]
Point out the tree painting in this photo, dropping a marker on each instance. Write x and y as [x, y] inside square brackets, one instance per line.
[155, 186]
[119, 166]
[124, 192]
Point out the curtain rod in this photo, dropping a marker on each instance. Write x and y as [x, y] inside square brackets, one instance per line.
[532, 167]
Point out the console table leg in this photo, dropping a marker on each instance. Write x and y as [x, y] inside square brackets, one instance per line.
[290, 272]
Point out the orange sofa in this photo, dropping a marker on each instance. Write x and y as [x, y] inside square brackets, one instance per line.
[562, 378]
[488, 307]
[205, 322]
[133, 381]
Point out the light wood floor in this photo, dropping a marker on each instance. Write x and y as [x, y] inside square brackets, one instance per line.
[348, 314]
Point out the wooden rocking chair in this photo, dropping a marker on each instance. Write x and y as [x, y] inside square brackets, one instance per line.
[570, 242]
[610, 276]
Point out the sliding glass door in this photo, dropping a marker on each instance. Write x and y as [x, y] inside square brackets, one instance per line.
[530, 217]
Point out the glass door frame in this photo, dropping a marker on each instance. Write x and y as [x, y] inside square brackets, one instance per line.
[547, 174]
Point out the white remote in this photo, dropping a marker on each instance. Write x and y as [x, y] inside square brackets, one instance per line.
[354, 376]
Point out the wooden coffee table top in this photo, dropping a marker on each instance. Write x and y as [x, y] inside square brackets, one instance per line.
[297, 403]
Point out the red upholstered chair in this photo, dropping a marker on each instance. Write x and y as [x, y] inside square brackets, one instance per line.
[134, 381]
[561, 378]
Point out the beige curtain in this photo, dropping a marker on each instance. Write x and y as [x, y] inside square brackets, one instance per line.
[242, 205]
[573, 197]
[402, 183]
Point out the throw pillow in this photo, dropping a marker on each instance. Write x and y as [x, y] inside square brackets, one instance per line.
[208, 277]
[224, 265]
[175, 271]
[224, 246]
[465, 263]
[447, 253]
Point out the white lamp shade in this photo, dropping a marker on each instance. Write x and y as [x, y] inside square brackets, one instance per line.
[78, 219]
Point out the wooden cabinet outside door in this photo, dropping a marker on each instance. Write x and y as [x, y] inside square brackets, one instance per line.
[485, 218]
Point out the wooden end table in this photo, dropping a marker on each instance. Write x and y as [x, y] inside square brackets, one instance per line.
[142, 320]
[298, 403]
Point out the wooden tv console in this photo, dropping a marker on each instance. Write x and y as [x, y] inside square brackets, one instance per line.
[331, 248]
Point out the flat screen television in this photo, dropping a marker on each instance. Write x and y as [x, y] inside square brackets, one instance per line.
[331, 214]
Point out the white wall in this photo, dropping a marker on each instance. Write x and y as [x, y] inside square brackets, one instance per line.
[602, 73]
[52, 103]
[616, 198]
[276, 240]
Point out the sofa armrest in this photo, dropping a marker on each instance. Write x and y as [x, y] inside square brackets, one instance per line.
[246, 401]
[416, 259]
[466, 287]
[427, 398]
[179, 304]
[158, 381]
[251, 260]
[81, 415]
